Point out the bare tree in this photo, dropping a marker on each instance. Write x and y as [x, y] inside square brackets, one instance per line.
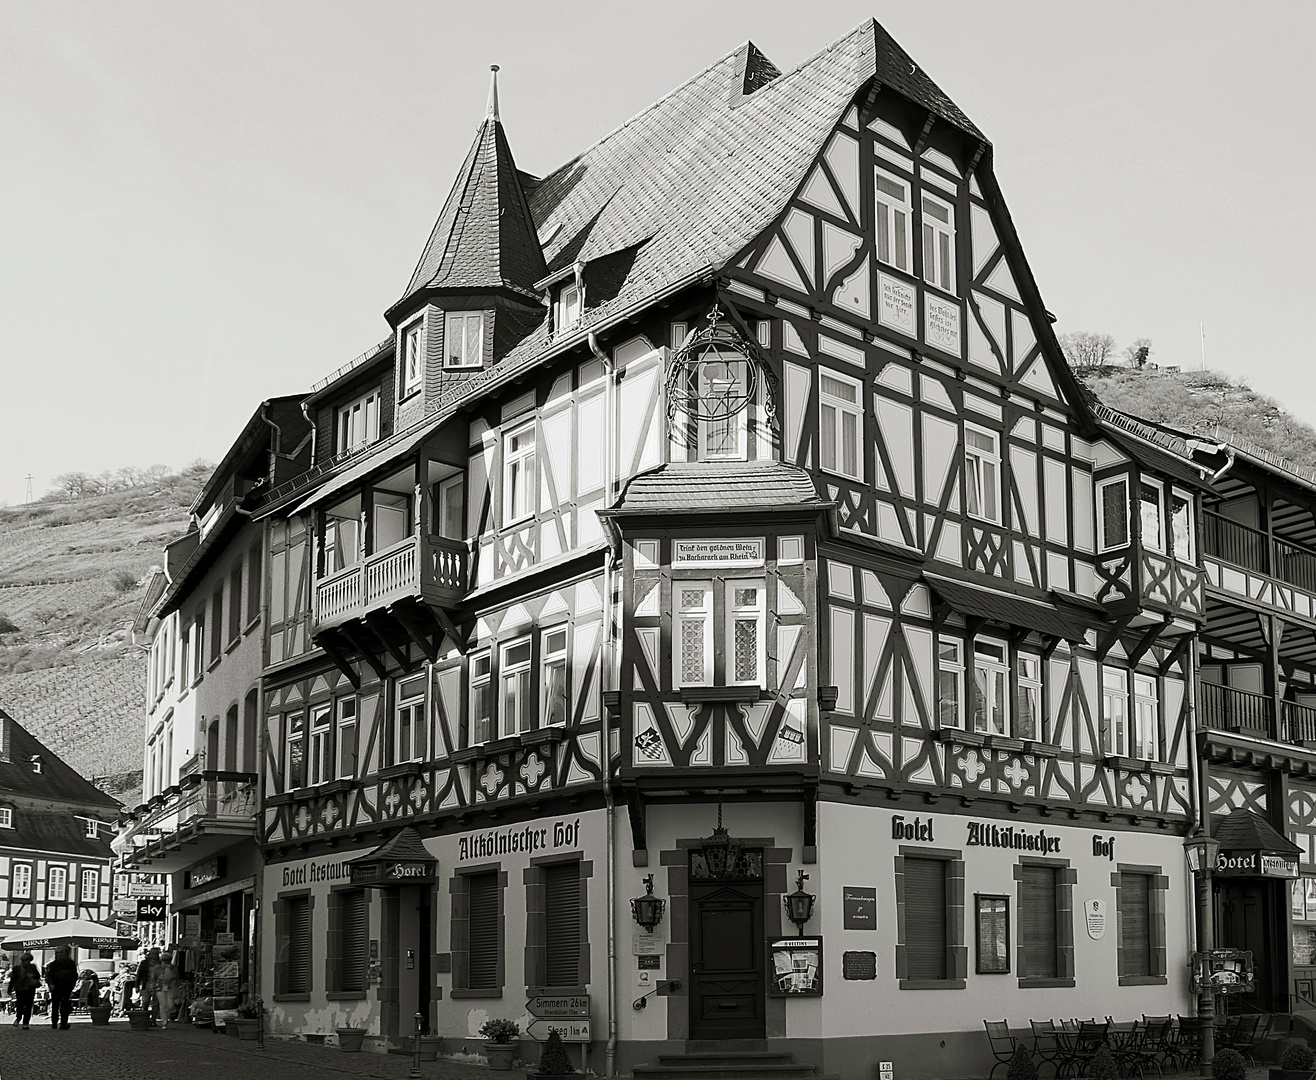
[1085, 349]
[73, 485]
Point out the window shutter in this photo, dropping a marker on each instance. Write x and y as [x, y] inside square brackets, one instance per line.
[483, 931]
[1037, 922]
[562, 924]
[333, 960]
[299, 945]
[355, 943]
[925, 918]
[1135, 924]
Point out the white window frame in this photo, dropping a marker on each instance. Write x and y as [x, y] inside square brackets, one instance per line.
[6, 817]
[554, 693]
[520, 466]
[57, 884]
[345, 713]
[358, 422]
[465, 358]
[451, 521]
[982, 475]
[832, 451]
[1146, 717]
[1114, 727]
[294, 733]
[569, 307]
[412, 337]
[1028, 688]
[20, 881]
[481, 679]
[93, 829]
[991, 687]
[1185, 539]
[1104, 543]
[409, 714]
[685, 619]
[738, 613]
[739, 421]
[320, 757]
[91, 886]
[893, 212]
[515, 706]
[1156, 541]
[950, 671]
[937, 233]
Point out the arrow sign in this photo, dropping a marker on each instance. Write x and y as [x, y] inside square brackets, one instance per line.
[559, 1008]
[572, 1031]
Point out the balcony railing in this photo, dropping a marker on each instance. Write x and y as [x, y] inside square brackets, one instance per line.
[201, 798]
[1252, 549]
[1299, 722]
[435, 569]
[1227, 709]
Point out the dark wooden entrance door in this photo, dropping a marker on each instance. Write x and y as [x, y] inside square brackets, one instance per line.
[1247, 918]
[726, 960]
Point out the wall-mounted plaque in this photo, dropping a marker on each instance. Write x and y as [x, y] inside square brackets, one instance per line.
[739, 552]
[858, 908]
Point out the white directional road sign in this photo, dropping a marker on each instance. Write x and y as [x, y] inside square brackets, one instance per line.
[561, 1005]
[572, 1031]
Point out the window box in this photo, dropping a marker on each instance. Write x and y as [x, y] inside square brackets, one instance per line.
[959, 737]
[691, 695]
[334, 787]
[339, 995]
[403, 768]
[1041, 749]
[543, 736]
[1003, 742]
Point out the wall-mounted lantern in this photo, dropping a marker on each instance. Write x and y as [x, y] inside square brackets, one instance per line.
[799, 904]
[647, 910]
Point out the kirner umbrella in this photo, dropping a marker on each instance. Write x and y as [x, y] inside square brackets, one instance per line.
[82, 933]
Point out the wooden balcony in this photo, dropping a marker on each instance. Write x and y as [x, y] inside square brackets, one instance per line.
[435, 570]
[1251, 549]
[1242, 712]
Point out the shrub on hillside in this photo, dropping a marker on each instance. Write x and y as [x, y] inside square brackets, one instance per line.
[7, 626]
[123, 581]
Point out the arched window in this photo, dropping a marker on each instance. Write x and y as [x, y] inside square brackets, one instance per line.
[231, 739]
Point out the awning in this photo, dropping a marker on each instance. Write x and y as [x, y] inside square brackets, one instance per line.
[402, 860]
[383, 454]
[82, 933]
[1250, 846]
[1005, 608]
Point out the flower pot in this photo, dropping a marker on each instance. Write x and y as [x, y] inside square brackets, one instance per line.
[350, 1039]
[499, 1055]
[100, 1014]
[429, 1047]
[244, 1027]
[139, 1019]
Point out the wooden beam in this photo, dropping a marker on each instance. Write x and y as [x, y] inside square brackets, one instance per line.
[866, 110]
[1107, 642]
[923, 135]
[376, 621]
[367, 652]
[1175, 655]
[450, 628]
[977, 157]
[1146, 642]
[326, 642]
[639, 839]
[1050, 642]
[412, 626]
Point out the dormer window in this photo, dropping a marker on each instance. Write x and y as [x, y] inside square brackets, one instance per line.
[36, 763]
[358, 423]
[413, 361]
[6, 817]
[569, 306]
[463, 340]
[93, 829]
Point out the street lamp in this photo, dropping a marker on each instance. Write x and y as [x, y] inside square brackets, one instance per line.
[647, 910]
[799, 904]
[1200, 849]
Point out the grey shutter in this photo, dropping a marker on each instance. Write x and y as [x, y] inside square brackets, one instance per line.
[562, 924]
[925, 918]
[1037, 922]
[355, 945]
[299, 945]
[483, 931]
[1135, 924]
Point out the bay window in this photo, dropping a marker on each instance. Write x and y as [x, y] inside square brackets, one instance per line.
[950, 683]
[1151, 499]
[1113, 513]
[481, 711]
[407, 734]
[553, 706]
[693, 655]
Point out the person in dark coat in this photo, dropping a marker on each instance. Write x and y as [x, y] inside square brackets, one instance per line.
[23, 982]
[61, 978]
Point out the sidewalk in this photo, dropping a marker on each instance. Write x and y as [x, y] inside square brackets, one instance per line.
[181, 1052]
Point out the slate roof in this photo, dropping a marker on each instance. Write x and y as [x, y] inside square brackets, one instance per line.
[713, 487]
[403, 844]
[1006, 608]
[484, 237]
[1243, 830]
[56, 781]
[55, 830]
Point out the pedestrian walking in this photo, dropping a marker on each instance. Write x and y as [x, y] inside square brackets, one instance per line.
[167, 989]
[23, 982]
[61, 978]
[148, 973]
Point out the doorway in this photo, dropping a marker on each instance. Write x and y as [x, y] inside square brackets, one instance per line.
[726, 960]
[1246, 919]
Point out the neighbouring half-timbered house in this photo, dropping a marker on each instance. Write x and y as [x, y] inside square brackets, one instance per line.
[720, 510]
[204, 620]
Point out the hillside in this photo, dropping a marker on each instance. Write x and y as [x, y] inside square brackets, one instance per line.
[71, 579]
[1200, 401]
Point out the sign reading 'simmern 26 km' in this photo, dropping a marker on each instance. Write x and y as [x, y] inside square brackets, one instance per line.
[519, 839]
[986, 834]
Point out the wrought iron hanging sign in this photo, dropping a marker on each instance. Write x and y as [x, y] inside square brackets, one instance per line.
[722, 857]
[715, 373]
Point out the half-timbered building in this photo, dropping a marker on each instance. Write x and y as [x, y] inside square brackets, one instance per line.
[720, 510]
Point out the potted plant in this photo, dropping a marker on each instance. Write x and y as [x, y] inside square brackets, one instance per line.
[499, 1046]
[100, 1014]
[1022, 1066]
[246, 1024]
[139, 1019]
[350, 1039]
[429, 1047]
[1103, 1065]
[1296, 1061]
[554, 1061]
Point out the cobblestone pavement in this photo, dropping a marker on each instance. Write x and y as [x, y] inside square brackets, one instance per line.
[180, 1052]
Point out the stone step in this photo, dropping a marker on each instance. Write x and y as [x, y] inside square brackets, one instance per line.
[730, 1067]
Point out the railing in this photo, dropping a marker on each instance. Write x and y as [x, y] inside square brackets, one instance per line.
[391, 571]
[339, 595]
[211, 795]
[1227, 709]
[439, 565]
[447, 565]
[1252, 549]
[1295, 564]
[1299, 722]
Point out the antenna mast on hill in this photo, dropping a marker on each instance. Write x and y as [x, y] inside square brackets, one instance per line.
[29, 488]
[1202, 326]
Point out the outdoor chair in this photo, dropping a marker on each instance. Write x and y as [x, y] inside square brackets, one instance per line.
[1186, 1046]
[1079, 1047]
[1248, 1035]
[1046, 1044]
[1153, 1047]
[1002, 1043]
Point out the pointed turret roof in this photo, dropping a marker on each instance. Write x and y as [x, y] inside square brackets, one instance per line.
[485, 237]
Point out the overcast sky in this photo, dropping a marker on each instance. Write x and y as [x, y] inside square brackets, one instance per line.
[206, 204]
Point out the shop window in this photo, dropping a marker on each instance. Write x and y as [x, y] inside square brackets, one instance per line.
[481, 711]
[950, 683]
[930, 949]
[1113, 513]
[294, 761]
[1046, 934]
[1114, 711]
[554, 666]
[991, 677]
[20, 881]
[407, 733]
[1151, 500]
[57, 884]
[292, 944]
[91, 886]
[563, 916]
[347, 729]
[1028, 718]
[348, 955]
[982, 473]
[1140, 912]
[514, 679]
[322, 753]
[480, 966]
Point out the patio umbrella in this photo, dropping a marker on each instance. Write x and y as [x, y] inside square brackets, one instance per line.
[82, 933]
